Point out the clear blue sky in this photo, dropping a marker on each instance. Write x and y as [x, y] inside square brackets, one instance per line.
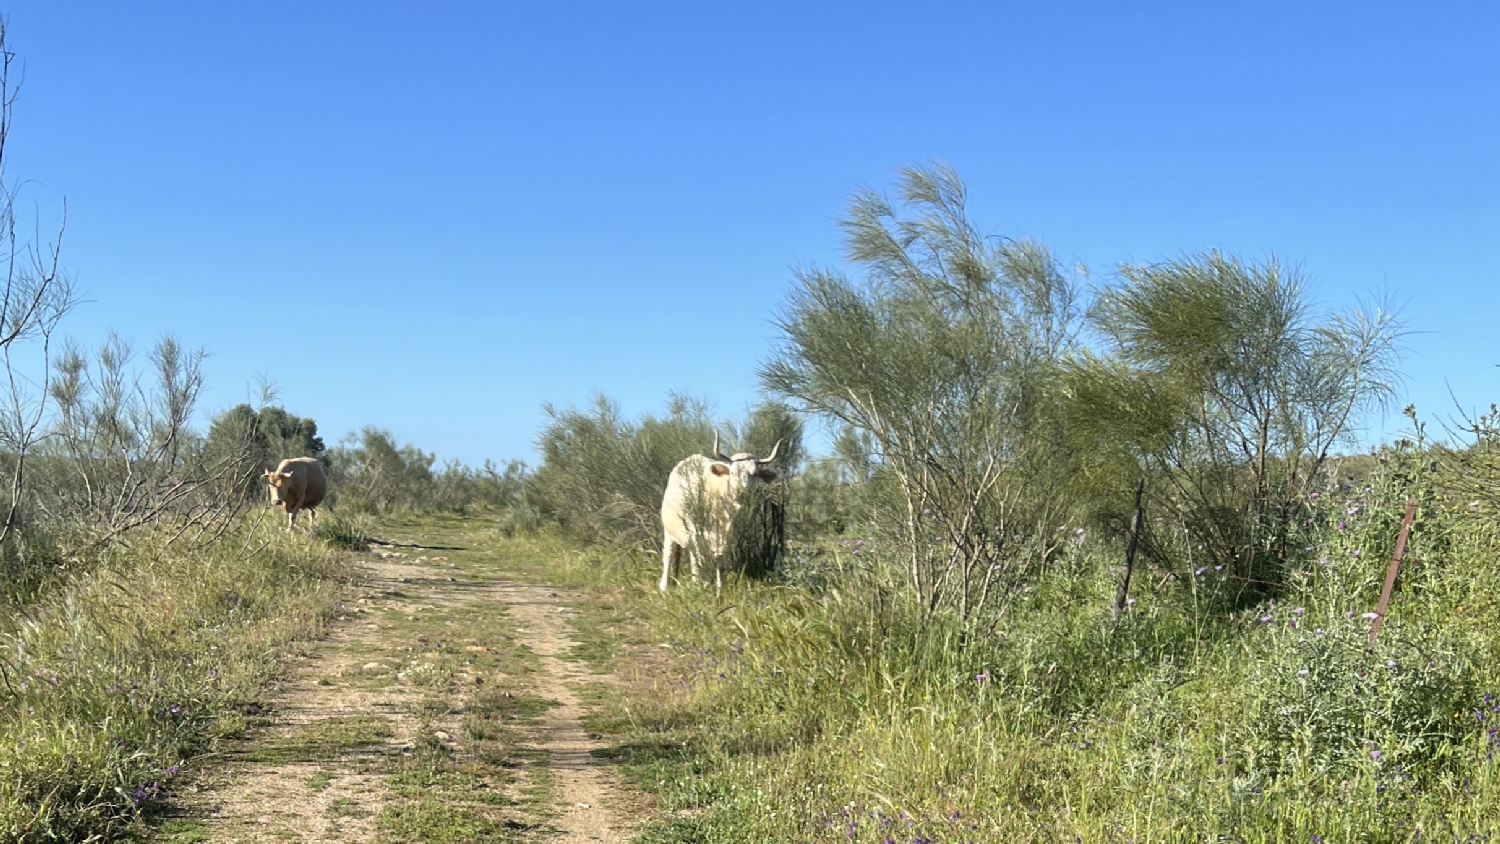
[435, 217]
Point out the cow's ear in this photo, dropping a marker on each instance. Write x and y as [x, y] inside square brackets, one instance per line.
[766, 475]
[718, 469]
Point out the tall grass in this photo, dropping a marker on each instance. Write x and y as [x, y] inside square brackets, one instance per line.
[129, 672]
[838, 714]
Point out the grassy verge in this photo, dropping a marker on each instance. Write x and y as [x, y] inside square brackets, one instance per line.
[123, 677]
[779, 714]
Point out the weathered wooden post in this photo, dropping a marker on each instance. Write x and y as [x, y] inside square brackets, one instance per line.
[1123, 595]
[1390, 574]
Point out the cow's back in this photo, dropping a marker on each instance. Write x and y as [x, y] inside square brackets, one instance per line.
[686, 476]
[695, 501]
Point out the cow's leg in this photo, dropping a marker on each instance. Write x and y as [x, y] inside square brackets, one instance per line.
[291, 519]
[718, 576]
[670, 553]
[695, 558]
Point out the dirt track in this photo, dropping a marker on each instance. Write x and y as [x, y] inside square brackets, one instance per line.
[442, 706]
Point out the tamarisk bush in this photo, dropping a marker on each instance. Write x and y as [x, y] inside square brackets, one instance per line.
[942, 356]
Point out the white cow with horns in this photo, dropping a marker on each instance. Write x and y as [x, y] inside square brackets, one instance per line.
[710, 489]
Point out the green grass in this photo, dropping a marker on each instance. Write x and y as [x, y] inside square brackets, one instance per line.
[322, 739]
[132, 675]
[598, 640]
[124, 672]
[345, 529]
[434, 821]
[178, 831]
[812, 713]
[345, 807]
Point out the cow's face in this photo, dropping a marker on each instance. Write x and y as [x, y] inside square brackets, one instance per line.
[274, 480]
[743, 471]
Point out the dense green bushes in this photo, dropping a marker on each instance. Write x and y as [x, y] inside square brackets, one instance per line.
[941, 356]
[602, 476]
[1227, 393]
[959, 363]
[252, 441]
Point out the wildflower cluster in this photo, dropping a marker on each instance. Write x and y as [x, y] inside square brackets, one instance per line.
[857, 822]
[1324, 695]
[1489, 718]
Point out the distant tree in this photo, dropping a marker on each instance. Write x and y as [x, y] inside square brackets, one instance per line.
[833, 494]
[370, 470]
[459, 489]
[1227, 393]
[258, 440]
[603, 476]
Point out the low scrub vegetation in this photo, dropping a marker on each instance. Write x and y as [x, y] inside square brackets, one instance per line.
[603, 477]
[838, 712]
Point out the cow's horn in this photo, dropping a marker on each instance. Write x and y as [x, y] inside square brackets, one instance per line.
[774, 449]
[717, 453]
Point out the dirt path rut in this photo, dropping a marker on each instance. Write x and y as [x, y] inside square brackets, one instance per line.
[584, 789]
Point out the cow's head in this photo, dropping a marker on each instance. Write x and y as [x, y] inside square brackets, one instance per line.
[275, 479]
[743, 470]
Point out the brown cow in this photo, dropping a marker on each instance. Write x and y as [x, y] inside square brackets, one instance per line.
[298, 484]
